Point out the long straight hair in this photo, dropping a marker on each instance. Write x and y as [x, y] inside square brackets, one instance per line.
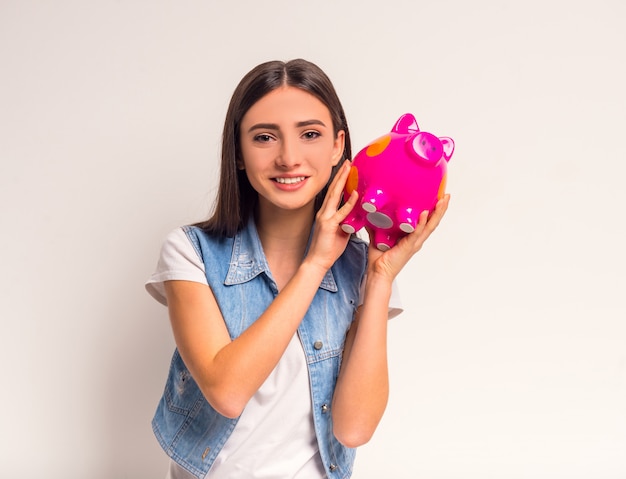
[236, 199]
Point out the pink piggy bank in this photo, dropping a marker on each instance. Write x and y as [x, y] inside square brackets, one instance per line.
[397, 177]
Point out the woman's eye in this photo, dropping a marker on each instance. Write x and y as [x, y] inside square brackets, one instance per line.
[311, 135]
[263, 138]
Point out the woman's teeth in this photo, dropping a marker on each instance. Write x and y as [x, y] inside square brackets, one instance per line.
[290, 181]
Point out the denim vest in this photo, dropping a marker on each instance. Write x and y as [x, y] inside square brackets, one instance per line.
[190, 431]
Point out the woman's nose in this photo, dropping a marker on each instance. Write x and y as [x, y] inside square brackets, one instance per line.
[288, 155]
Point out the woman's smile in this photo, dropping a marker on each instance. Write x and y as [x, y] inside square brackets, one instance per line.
[290, 181]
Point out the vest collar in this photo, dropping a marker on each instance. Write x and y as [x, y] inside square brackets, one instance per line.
[248, 259]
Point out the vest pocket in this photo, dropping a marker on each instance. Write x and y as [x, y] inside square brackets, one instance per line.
[181, 393]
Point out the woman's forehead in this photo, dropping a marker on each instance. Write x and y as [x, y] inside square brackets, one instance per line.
[286, 106]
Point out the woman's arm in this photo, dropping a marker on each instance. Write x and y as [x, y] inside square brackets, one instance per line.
[363, 384]
[230, 372]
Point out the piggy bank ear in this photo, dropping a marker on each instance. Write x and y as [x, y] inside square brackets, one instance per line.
[406, 124]
[448, 147]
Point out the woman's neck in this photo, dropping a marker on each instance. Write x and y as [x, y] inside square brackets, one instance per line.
[284, 236]
[284, 230]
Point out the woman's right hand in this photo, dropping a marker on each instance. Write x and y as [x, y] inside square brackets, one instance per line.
[329, 240]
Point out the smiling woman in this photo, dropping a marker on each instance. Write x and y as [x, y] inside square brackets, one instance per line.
[279, 316]
[236, 198]
[288, 145]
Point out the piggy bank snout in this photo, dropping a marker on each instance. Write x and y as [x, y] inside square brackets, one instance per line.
[426, 146]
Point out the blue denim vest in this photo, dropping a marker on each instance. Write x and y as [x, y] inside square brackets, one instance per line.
[190, 431]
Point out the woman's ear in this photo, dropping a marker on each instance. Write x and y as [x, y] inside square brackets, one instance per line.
[338, 147]
[240, 164]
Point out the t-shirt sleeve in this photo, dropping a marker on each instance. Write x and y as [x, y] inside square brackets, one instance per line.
[178, 260]
[395, 301]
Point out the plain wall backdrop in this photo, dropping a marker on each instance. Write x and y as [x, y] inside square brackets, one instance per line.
[510, 359]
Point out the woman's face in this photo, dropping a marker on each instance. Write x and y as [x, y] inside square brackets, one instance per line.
[289, 148]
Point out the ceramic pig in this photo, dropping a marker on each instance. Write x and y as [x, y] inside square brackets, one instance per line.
[397, 177]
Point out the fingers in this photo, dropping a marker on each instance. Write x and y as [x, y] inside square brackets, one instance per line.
[435, 218]
[339, 181]
[329, 239]
[426, 225]
[344, 211]
[391, 262]
[335, 189]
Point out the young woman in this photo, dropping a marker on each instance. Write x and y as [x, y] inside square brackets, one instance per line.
[279, 317]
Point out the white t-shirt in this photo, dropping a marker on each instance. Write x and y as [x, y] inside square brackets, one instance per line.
[275, 435]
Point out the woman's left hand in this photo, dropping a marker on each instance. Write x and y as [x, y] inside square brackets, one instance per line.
[389, 263]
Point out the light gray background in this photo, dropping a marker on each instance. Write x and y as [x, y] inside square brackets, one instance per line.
[510, 360]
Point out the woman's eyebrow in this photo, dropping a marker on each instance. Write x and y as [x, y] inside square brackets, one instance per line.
[274, 126]
[263, 126]
[309, 123]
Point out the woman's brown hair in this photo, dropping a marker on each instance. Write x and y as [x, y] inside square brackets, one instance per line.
[236, 199]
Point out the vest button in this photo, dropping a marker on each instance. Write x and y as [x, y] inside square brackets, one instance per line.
[324, 408]
[318, 345]
[332, 467]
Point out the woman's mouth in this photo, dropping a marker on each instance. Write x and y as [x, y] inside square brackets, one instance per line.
[289, 181]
